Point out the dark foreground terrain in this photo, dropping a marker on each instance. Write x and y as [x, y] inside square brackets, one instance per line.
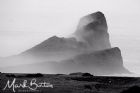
[72, 83]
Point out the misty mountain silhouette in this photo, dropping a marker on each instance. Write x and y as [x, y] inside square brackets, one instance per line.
[88, 50]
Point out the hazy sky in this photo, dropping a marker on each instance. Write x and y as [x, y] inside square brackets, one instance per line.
[25, 23]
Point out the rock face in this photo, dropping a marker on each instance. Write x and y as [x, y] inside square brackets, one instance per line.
[88, 51]
[92, 29]
[91, 35]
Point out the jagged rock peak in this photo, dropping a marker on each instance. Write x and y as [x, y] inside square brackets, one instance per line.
[97, 14]
[97, 19]
[93, 30]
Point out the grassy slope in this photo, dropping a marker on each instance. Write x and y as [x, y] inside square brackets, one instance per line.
[77, 83]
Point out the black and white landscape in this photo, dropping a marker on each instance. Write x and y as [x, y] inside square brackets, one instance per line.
[87, 50]
[44, 50]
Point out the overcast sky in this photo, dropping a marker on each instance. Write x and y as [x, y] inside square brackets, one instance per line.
[25, 23]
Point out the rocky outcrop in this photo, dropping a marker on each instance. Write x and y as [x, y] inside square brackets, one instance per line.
[93, 30]
[88, 51]
[91, 35]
